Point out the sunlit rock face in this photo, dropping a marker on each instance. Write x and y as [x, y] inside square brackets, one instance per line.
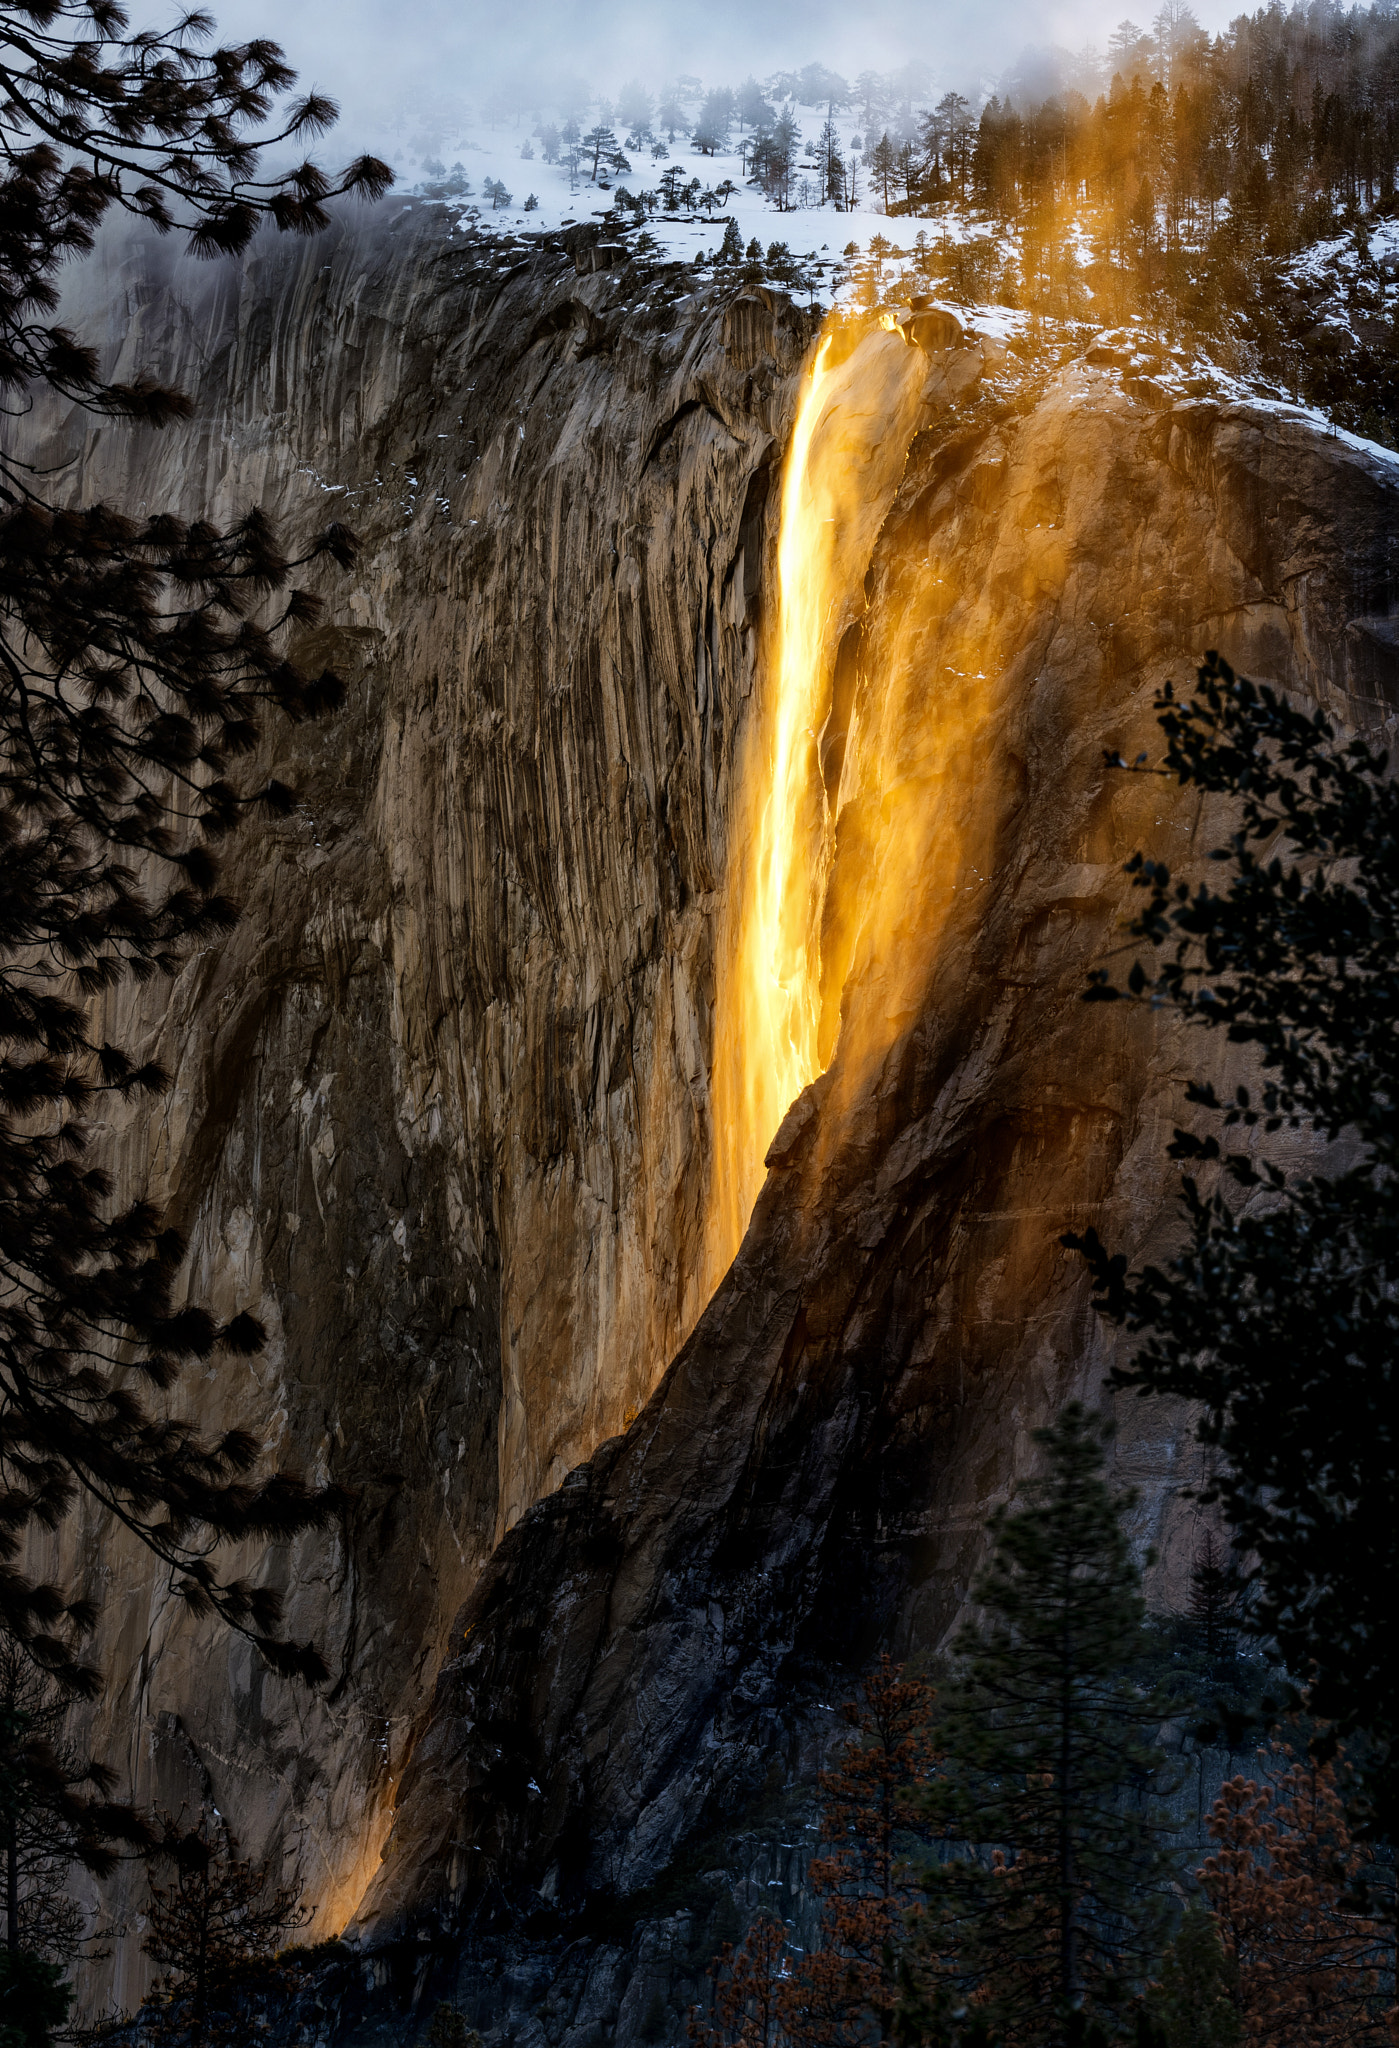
[445, 1105]
[648, 1648]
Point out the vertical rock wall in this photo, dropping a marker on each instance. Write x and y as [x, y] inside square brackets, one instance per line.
[440, 1111]
[650, 1648]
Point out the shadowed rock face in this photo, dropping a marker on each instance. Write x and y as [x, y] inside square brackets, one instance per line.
[441, 1111]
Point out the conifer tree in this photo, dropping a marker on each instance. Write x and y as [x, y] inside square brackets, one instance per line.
[1279, 1314]
[846, 1989]
[1047, 1915]
[1214, 1597]
[34, 2000]
[215, 1929]
[55, 1811]
[447, 2029]
[884, 166]
[751, 1996]
[1193, 2002]
[139, 657]
[1284, 1881]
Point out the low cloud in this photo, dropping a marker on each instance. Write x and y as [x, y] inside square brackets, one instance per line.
[410, 77]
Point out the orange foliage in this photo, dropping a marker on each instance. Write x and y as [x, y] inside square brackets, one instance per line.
[871, 1796]
[843, 1992]
[751, 1992]
[1282, 1883]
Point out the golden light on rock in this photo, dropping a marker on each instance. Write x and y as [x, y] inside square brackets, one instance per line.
[777, 1015]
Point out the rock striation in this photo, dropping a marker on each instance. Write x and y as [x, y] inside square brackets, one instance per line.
[440, 1111]
[443, 1110]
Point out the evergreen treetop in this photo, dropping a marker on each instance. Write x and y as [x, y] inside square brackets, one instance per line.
[1056, 1902]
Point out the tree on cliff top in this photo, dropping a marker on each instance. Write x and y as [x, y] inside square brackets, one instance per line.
[1053, 1910]
[139, 657]
[1281, 1313]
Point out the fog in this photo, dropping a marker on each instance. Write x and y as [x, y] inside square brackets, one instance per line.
[410, 74]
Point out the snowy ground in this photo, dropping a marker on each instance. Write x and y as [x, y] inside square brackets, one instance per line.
[808, 230]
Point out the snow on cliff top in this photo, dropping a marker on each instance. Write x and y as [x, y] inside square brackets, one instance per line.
[807, 230]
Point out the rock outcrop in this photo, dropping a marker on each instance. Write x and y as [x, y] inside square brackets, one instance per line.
[442, 1110]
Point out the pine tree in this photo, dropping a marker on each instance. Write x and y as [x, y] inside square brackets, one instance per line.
[830, 163]
[1194, 2001]
[447, 2029]
[215, 1929]
[1051, 1911]
[34, 2000]
[1214, 1598]
[750, 1995]
[1281, 1318]
[1283, 1880]
[884, 166]
[846, 1990]
[139, 658]
[55, 1811]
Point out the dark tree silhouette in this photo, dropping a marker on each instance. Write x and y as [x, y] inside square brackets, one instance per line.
[138, 660]
[215, 1929]
[1056, 1905]
[1282, 1317]
[1214, 1597]
[55, 1811]
[1193, 2002]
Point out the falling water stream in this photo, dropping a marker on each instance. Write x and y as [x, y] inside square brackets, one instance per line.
[799, 921]
[766, 1046]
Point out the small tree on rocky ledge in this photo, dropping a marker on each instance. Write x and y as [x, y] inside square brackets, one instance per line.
[447, 2029]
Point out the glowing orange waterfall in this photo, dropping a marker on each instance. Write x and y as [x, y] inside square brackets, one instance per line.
[855, 418]
[767, 1033]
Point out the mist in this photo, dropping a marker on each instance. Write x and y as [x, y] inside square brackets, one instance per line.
[408, 77]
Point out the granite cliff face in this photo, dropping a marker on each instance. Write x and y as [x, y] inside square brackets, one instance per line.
[444, 1103]
[655, 1643]
[440, 1109]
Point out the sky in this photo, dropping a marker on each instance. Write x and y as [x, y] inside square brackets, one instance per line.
[402, 67]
